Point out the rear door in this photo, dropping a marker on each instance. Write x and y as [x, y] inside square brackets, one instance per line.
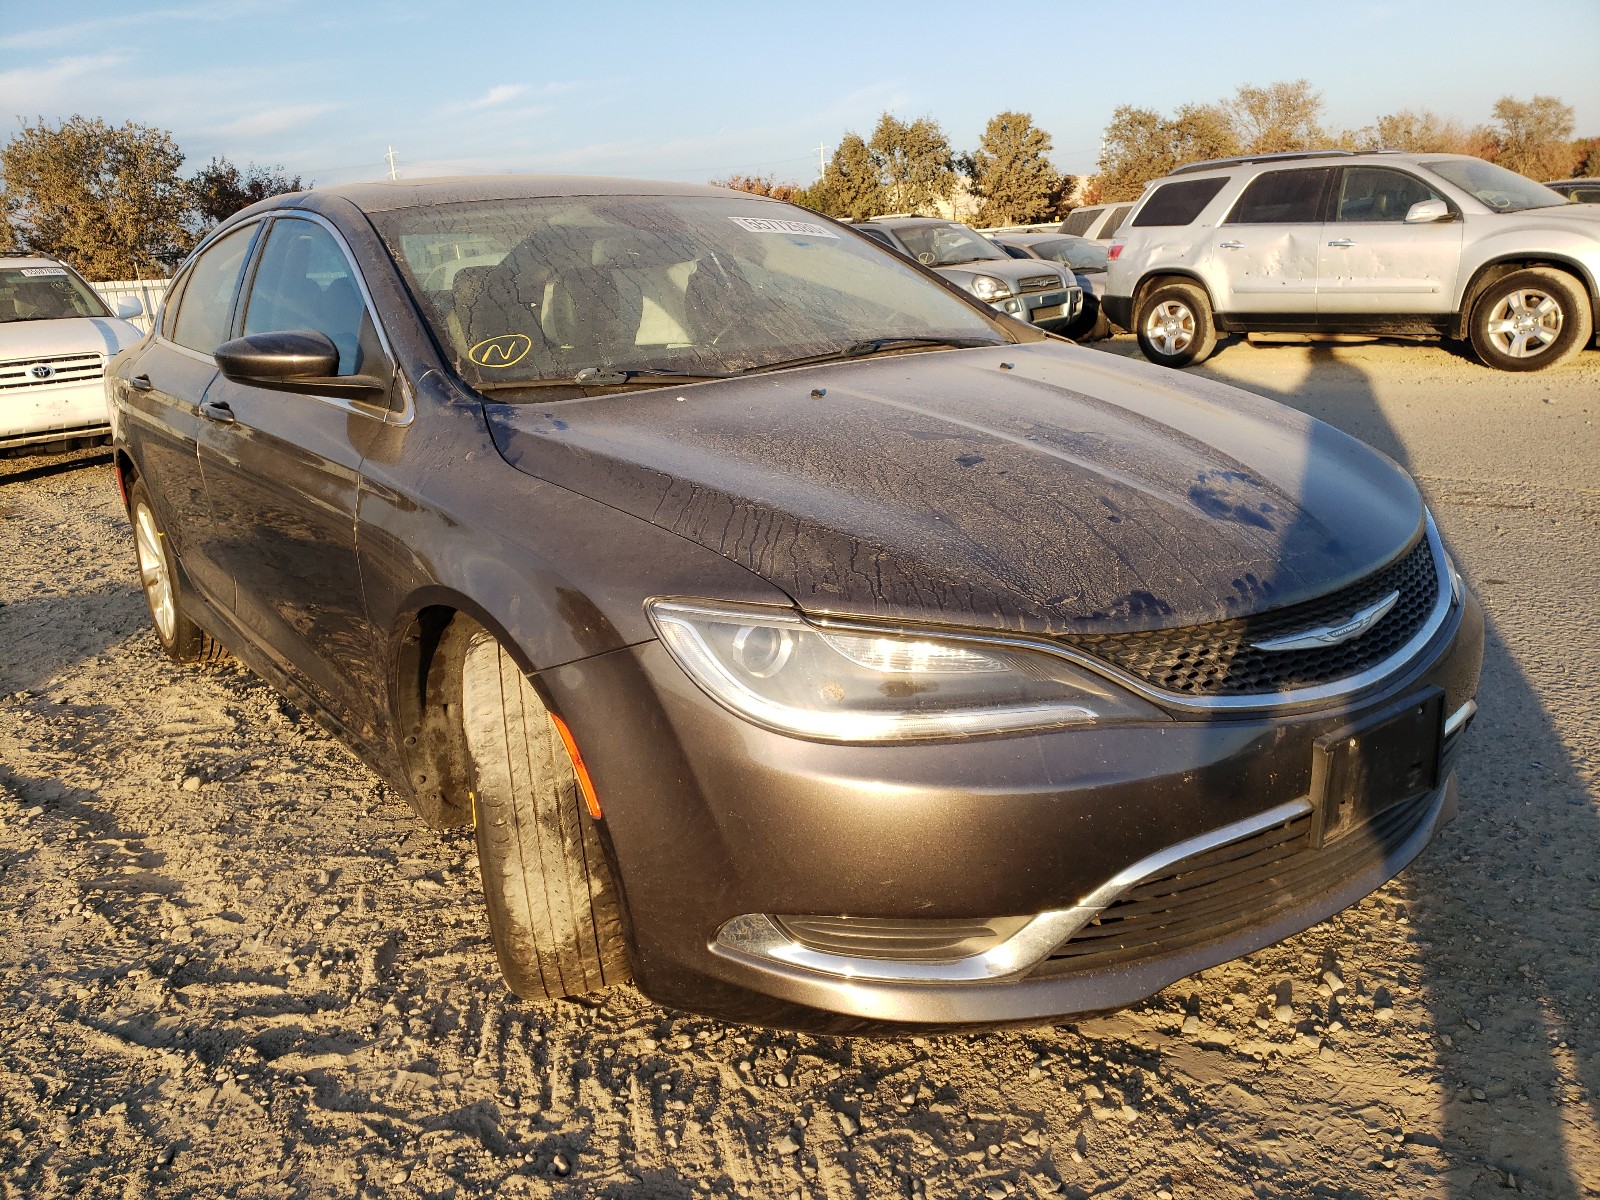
[1371, 262]
[1264, 254]
[282, 471]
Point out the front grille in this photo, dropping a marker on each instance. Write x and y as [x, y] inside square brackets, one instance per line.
[63, 368]
[1040, 283]
[1219, 659]
[1231, 888]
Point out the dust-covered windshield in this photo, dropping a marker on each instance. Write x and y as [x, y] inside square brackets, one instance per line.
[946, 245]
[1500, 189]
[45, 293]
[1078, 253]
[589, 289]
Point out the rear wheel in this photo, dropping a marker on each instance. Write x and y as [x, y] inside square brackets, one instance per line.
[553, 907]
[1174, 325]
[180, 637]
[1530, 320]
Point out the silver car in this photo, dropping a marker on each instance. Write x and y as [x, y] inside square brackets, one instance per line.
[1333, 242]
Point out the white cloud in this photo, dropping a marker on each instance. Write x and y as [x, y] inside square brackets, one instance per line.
[498, 95]
[58, 84]
[272, 120]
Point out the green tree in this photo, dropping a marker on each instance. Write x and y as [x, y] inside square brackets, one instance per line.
[109, 200]
[1137, 147]
[220, 189]
[1534, 136]
[852, 185]
[1277, 118]
[1011, 172]
[914, 162]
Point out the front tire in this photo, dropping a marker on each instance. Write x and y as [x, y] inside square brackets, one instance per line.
[553, 908]
[1530, 320]
[180, 637]
[1174, 325]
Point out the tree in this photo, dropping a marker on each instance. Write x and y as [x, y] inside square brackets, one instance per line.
[1277, 118]
[107, 200]
[1534, 136]
[1585, 154]
[1141, 145]
[851, 186]
[1422, 132]
[914, 162]
[1011, 172]
[760, 185]
[220, 189]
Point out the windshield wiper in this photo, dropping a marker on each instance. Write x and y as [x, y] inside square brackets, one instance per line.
[594, 377]
[877, 346]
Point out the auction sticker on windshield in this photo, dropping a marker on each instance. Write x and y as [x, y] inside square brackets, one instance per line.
[767, 225]
[32, 271]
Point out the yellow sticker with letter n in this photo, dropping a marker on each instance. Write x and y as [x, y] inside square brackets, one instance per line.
[507, 350]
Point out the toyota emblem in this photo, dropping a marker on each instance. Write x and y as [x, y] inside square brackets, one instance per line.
[42, 371]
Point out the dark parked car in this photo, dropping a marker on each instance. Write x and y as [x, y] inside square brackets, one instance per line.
[805, 639]
[1086, 260]
[1579, 191]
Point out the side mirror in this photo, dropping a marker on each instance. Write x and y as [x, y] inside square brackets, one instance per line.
[294, 360]
[130, 307]
[1426, 211]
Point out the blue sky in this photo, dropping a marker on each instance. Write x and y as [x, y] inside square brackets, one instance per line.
[693, 91]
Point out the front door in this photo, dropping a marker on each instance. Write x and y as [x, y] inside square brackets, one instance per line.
[1264, 254]
[282, 472]
[1371, 262]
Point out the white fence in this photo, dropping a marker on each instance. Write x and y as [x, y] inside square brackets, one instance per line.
[146, 291]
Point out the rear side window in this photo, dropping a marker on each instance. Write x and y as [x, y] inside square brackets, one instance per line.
[1078, 221]
[204, 309]
[1115, 220]
[1178, 203]
[1281, 198]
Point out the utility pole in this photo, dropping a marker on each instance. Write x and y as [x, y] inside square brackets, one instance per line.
[390, 157]
[822, 163]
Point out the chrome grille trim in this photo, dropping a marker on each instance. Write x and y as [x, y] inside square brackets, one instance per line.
[64, 368]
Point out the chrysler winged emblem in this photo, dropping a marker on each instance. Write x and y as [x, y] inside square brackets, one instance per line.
[1332, 635]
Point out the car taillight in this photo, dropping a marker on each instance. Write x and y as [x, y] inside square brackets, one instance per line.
[1114, 250]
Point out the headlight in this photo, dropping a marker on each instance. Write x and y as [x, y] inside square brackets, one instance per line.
[773, 668]
[987, 287]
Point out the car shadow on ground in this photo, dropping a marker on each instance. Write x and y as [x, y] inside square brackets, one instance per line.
[1504, 905]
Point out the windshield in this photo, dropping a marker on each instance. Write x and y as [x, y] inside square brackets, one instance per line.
[46, 293]
[946, 245]
[1078, 253]
[1500, 189]
[522, 292]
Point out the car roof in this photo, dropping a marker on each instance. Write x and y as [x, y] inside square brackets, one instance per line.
[1034, 238]
[1294, 157]
[31, 260]
[388, 195]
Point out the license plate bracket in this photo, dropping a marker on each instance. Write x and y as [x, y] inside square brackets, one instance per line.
[1368, 767]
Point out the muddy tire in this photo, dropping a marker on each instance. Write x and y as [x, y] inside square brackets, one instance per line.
[1174, 325]
[180, 637]
[1530, 320]
[553, 907]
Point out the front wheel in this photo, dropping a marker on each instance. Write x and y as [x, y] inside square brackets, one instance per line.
[1175, 327]
[1530, 320]
[180, 637]
[553, 908]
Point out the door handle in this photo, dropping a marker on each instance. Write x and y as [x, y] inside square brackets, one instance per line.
[1230, 245]
[218, 411]
[1341, 242]
[141, 383]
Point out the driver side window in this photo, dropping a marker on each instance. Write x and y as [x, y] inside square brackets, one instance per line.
[304, 281]
[1379, 194]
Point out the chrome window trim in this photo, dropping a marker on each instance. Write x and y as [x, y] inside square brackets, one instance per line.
[758, 939]
[1294, 698]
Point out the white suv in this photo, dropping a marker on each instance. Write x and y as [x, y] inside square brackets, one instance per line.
[56, 337]
[1332, 242]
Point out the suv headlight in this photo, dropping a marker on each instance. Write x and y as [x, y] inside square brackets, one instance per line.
[987, 287]
[772, 667]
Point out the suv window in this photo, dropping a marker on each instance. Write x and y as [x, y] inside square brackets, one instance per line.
[1379, 194]
[1114, 221]
[877, 235]
[1178, 203]
[1080, 219]
[304, 281]
[206, 305]
[1282, 197]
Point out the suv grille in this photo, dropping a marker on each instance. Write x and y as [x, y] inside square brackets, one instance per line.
[1040, 283]
[1219, 659]
[40, 372]
[1231, 888]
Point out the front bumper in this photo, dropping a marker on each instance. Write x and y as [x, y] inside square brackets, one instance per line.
[33, 415]
[1049, 310]
[712, 820]
[1118, 310]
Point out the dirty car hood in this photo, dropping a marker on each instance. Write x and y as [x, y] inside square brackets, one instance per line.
[1040, 488]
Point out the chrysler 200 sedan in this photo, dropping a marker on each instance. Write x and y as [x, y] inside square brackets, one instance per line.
[805, 640]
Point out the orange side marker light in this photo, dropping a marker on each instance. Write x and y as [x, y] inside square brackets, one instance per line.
[585, 784]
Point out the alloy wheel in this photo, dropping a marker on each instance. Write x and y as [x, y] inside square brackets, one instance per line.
[1170, 327]
[153, 573]
[1525, 323]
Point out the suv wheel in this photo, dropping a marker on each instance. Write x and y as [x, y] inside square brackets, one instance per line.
[1174, 325]
[1530, 320]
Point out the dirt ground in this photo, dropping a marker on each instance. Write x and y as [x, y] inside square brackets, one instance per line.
[231, 964]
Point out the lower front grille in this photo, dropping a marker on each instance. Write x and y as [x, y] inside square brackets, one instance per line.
[1229, 889]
